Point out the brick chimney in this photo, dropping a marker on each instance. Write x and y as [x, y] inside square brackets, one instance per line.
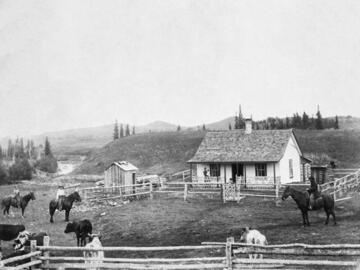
[248, 126]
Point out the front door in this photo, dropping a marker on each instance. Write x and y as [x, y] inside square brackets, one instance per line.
[237, 169]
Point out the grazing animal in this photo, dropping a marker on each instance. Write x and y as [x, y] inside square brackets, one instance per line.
[67, 205]
[82, 229]
[325, 201]
[250, 236]
[24, 238]
[10, 201]
[9, 232]
[94, 257]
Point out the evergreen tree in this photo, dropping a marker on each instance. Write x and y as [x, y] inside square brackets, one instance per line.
[239, 120]
[305, 121]
[318, 121]
[133, 131]
[230, 126]
[127, 132]
[116, 131]
[203, 127]
[336, 124]
[10, 150]
[47, 149]
[1, 153]
[32, 150]
[121, 131]
[178, 128]
[287, 122]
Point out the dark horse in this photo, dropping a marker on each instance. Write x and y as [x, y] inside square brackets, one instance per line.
[67, 205]
[302, 200]
[11, 201]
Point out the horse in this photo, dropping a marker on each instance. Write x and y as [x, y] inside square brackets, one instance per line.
[67, 205]
[301, 198]
[10, 201]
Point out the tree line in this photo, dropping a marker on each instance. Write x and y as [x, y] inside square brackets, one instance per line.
[303, 121]
[19, 161]
[120, 132]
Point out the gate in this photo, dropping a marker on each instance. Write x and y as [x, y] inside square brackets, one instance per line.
[231, 192]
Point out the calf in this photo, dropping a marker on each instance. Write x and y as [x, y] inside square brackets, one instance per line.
[24, 238]
[9, 232]
[93, 257]
[254, 237]
[82, 229]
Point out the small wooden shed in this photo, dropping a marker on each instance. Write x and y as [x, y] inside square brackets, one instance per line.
[322, 173]
[120, 173]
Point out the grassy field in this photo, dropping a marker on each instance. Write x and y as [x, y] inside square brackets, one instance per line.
[168, 220]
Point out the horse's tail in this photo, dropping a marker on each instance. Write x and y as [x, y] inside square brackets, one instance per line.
[2, 203]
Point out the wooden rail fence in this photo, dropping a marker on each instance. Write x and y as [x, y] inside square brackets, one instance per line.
[232, 256]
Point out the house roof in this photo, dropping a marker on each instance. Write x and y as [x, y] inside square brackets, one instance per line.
[124, 165]
[236, 146]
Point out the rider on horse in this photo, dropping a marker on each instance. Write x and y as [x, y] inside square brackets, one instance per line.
[16, 196]
[313, 191]
[60, 195]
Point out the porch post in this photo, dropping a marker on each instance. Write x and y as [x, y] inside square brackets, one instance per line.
[274, 174]
[190, 172]
[245, 181]
[224, 173]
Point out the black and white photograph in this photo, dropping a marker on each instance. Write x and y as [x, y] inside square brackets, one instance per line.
[179, 134]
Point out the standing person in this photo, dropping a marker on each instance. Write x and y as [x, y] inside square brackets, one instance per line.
[313, 191]
[60, 195]
[205, 172]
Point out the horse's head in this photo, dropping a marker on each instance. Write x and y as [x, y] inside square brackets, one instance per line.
[286, 193]
[76, 196]
[32, 195]
[19, 242]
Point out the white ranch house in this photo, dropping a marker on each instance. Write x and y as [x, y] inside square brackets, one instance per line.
[249, 157]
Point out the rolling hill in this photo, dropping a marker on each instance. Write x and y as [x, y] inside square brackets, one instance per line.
[157, 152]
[167, 152]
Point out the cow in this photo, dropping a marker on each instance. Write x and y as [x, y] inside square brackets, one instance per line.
[93, 257]
[24, 238]
[82, 229]
[250, 236]
[9, 232]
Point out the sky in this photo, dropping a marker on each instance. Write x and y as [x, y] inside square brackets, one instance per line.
[70, 64]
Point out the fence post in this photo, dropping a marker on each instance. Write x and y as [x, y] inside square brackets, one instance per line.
[224, 192]
[0, 253]
[185, 191]
[151, 191]
[228, 251]
[183, 175]
[277, 191]
[32, 249]
[46, 252]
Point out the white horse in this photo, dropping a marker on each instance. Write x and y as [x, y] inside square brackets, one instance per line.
[254, 237]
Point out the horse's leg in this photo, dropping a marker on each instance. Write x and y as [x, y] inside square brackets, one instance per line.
[333, 214]
[67, 212]
[51, 211]
[327, 217]
[22, 212]
[303, 216]
[307, 217]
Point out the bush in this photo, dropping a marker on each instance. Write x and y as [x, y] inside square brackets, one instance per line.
[47, 164]
[20, 170]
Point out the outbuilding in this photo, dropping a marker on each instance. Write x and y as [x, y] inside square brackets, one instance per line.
[120, 173]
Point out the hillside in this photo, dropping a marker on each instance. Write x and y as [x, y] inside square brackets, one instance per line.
[167, 152]
[160, 152]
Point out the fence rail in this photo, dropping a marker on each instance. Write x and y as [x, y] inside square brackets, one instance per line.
[337, 255]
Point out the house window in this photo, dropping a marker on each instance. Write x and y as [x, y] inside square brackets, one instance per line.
[260, 169]
[214, 169]
[291, 169]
